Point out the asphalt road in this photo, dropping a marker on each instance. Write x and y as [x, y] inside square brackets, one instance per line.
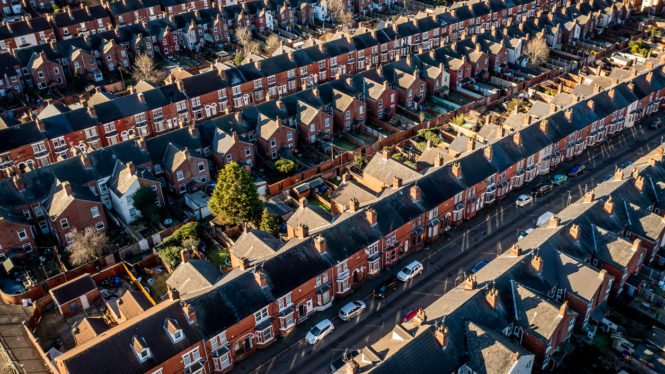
[492, 231]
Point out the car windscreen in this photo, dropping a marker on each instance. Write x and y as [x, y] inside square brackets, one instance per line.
[315, 331]
[406, 270]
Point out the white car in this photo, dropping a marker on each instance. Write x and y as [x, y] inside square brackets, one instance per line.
[410, 271]
[352, 310]
[319, 331]
[523, 200]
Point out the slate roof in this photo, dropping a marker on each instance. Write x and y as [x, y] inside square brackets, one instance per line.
[193, 275]
[491, 352]
[254, 245]
[79, 15]
[179, 138]
[313, 216]
[535, 313]
[386, 169]
[20, 135]
[92, 356]
[73, 289]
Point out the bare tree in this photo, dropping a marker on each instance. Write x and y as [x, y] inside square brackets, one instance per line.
[252, 47]
[338, 12]
[243, 35]
[86, 246]
[537, 51]
[272, 43]
[144, 69]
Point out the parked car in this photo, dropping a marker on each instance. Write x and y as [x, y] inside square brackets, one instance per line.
[541, 189]
[410, 314]
[523, 200]
[655, 124]
[479, 266]
[524, 233]
[577, 170]
[387, 286]
[410, 271]
[319, 331]
[352, 310]
[558, 179]
[339, 363]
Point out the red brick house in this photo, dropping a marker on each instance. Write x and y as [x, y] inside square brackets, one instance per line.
[10, 75]
[45, 72]
[73, 207]
[80, 21]
[15, 232]
[349, 113]
[273, 137]
[231, 148]
[114, 56]
[26, 33]
[26, 148]
[313, 123]
[129, 12]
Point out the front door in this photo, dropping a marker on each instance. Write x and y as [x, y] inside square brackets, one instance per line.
[302, 311]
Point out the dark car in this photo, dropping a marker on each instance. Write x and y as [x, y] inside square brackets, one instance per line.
[541, 189]
[577, 170]
[387, 286]
[655, 125]
[340, 361]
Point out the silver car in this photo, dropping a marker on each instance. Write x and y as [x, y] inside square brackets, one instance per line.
[352, 310]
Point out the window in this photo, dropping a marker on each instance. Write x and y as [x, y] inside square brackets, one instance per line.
[218, 341]
[261, 315]
[182, 188]
[289, 136]
[248, 152]
[348, 114]
[158, 169]
[361, 109]
[202, 167]
[284, 301]
[571, 325]
[327, 122]
[322, 279]
[26, 214]
[273, 143]
[99, 226]
[22, 234]
[64, 223]
[229, 159]
[180, 175]
[94, 211]
[144, 354]
[264, 336]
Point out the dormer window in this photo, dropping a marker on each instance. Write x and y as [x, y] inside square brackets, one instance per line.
[141, 349]
[173, 329]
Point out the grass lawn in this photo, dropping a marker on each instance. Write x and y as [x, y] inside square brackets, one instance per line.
[158, 288]
[317, 202]
[217, 256]
[345, 144]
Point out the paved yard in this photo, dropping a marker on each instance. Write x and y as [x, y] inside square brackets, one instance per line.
[15, 341]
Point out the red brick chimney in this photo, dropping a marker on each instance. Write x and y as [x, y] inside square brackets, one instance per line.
[131, 167]
[609, 205]
[537, 263]
[564, 309]
[470, 283]
[492, 298]
[589, 196]
[354, 205]
[575, 231]
[244, 263]
[569, 114]
[371, 217]
[470, 145]
[190, 313]
[414, 191]
[438, 161]
[618, 175]
[185, 255]
[260, 277]
[86, 161]
[488, 152]
[441, 335]
[303, 230]
[457, 170]
[18, 183]
[515, 250]
[543, 126]
[517, 138]
[302, 202]
[554, 222]
[397, 182]
[636, 244]
[385, 154]
[639, 183]
[320, 244]
[68, 188]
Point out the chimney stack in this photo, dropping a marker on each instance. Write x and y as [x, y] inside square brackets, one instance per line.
[517, 138]
[589, 196]
[575, 231]
[131, 167]
[260, 277]
[68, 188]
[618, 175]
[354, 205]
[537, 263]
[414, 191]
[470, 145]
[18, 183]
[639, 183]
[302, 202]
[569, 114]
[564, 309]
[492, 298]
[397, 182]
[185, 255]
[609, 206]
[515, 250]
[554, 222]
[371, 217]
[438, 161]
[488, 152]
[457, 169]
[471, 282]
[441, 335]
[320, 244]
[303, 230]
[636, 244]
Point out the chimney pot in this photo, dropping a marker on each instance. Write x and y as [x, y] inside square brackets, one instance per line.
[354, 205]
[371, 216]
[575, 231]
[457, 170]
[470, 283]
[492, 298]
[441, 334]
[185, 255]
[515, 250]
[564, 309]
[320, 244]
[397, 182]
[636, 244]
[537, 263]
[589, 196]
